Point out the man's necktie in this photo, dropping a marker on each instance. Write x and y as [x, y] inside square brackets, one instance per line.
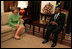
[56, 15]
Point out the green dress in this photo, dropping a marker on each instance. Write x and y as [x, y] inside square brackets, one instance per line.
[14, 20]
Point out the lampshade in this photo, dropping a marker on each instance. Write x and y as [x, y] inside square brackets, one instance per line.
[22, 4]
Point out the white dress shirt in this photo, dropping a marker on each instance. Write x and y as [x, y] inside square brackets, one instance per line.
[56, 15]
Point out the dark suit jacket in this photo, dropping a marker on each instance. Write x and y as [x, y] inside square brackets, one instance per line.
[60, 19]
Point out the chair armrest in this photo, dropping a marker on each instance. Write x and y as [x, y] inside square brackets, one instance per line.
[64, 26]
[13, 29]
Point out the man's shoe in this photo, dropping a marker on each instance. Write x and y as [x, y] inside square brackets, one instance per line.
[53, 45]
[45, 41]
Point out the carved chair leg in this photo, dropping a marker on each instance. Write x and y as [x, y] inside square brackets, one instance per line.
[62, 37]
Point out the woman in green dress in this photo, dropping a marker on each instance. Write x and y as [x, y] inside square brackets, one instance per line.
[14, 22]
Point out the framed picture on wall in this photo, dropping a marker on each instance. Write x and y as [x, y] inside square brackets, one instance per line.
[48, 7]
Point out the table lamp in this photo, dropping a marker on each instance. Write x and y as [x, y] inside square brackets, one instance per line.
[22, 5]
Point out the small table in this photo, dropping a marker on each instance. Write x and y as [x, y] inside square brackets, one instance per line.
[26, 18]
[38, 23]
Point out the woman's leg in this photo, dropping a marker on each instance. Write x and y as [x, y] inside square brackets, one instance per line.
[19, 31]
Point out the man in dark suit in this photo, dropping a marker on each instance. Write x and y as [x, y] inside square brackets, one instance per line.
[55, 26]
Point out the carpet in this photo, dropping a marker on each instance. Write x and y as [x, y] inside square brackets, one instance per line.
[29, 41]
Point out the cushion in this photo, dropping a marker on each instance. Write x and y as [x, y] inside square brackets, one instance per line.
[5, 18]
[7, 36]
[6, 28]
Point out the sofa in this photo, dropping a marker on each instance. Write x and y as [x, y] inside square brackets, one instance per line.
[6, 31]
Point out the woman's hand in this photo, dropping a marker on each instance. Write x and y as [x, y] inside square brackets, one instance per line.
[22, 20]
[20, 17]
[17, 25]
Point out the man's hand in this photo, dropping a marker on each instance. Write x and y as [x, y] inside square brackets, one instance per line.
[53, 23]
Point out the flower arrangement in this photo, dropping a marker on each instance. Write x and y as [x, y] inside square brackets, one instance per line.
[48, 8]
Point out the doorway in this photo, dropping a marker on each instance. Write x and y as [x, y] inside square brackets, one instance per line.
[34, 8]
